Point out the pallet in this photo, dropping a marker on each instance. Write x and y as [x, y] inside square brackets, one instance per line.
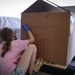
[55, 65]
[55, 69]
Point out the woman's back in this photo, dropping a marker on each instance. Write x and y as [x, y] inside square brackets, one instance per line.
[10, 59]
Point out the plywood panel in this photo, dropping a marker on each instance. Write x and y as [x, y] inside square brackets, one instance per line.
[51, 31]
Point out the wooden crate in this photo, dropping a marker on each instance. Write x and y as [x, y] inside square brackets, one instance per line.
[51, 28]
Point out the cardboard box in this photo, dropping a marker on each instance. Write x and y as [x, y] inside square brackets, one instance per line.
[51, 28]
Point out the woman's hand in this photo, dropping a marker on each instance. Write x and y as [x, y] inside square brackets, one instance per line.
[25, 27]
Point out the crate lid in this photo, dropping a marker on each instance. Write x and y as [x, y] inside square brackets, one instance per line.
[42, 6]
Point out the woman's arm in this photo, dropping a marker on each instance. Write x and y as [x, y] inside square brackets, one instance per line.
[31, 37]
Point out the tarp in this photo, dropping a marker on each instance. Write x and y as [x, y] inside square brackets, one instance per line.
[10, 22]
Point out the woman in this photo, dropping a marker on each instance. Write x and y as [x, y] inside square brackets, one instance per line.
[10, 51]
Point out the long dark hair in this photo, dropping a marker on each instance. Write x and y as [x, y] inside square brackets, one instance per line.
[6, 35]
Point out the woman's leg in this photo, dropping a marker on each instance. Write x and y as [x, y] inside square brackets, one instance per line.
[28, 59]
